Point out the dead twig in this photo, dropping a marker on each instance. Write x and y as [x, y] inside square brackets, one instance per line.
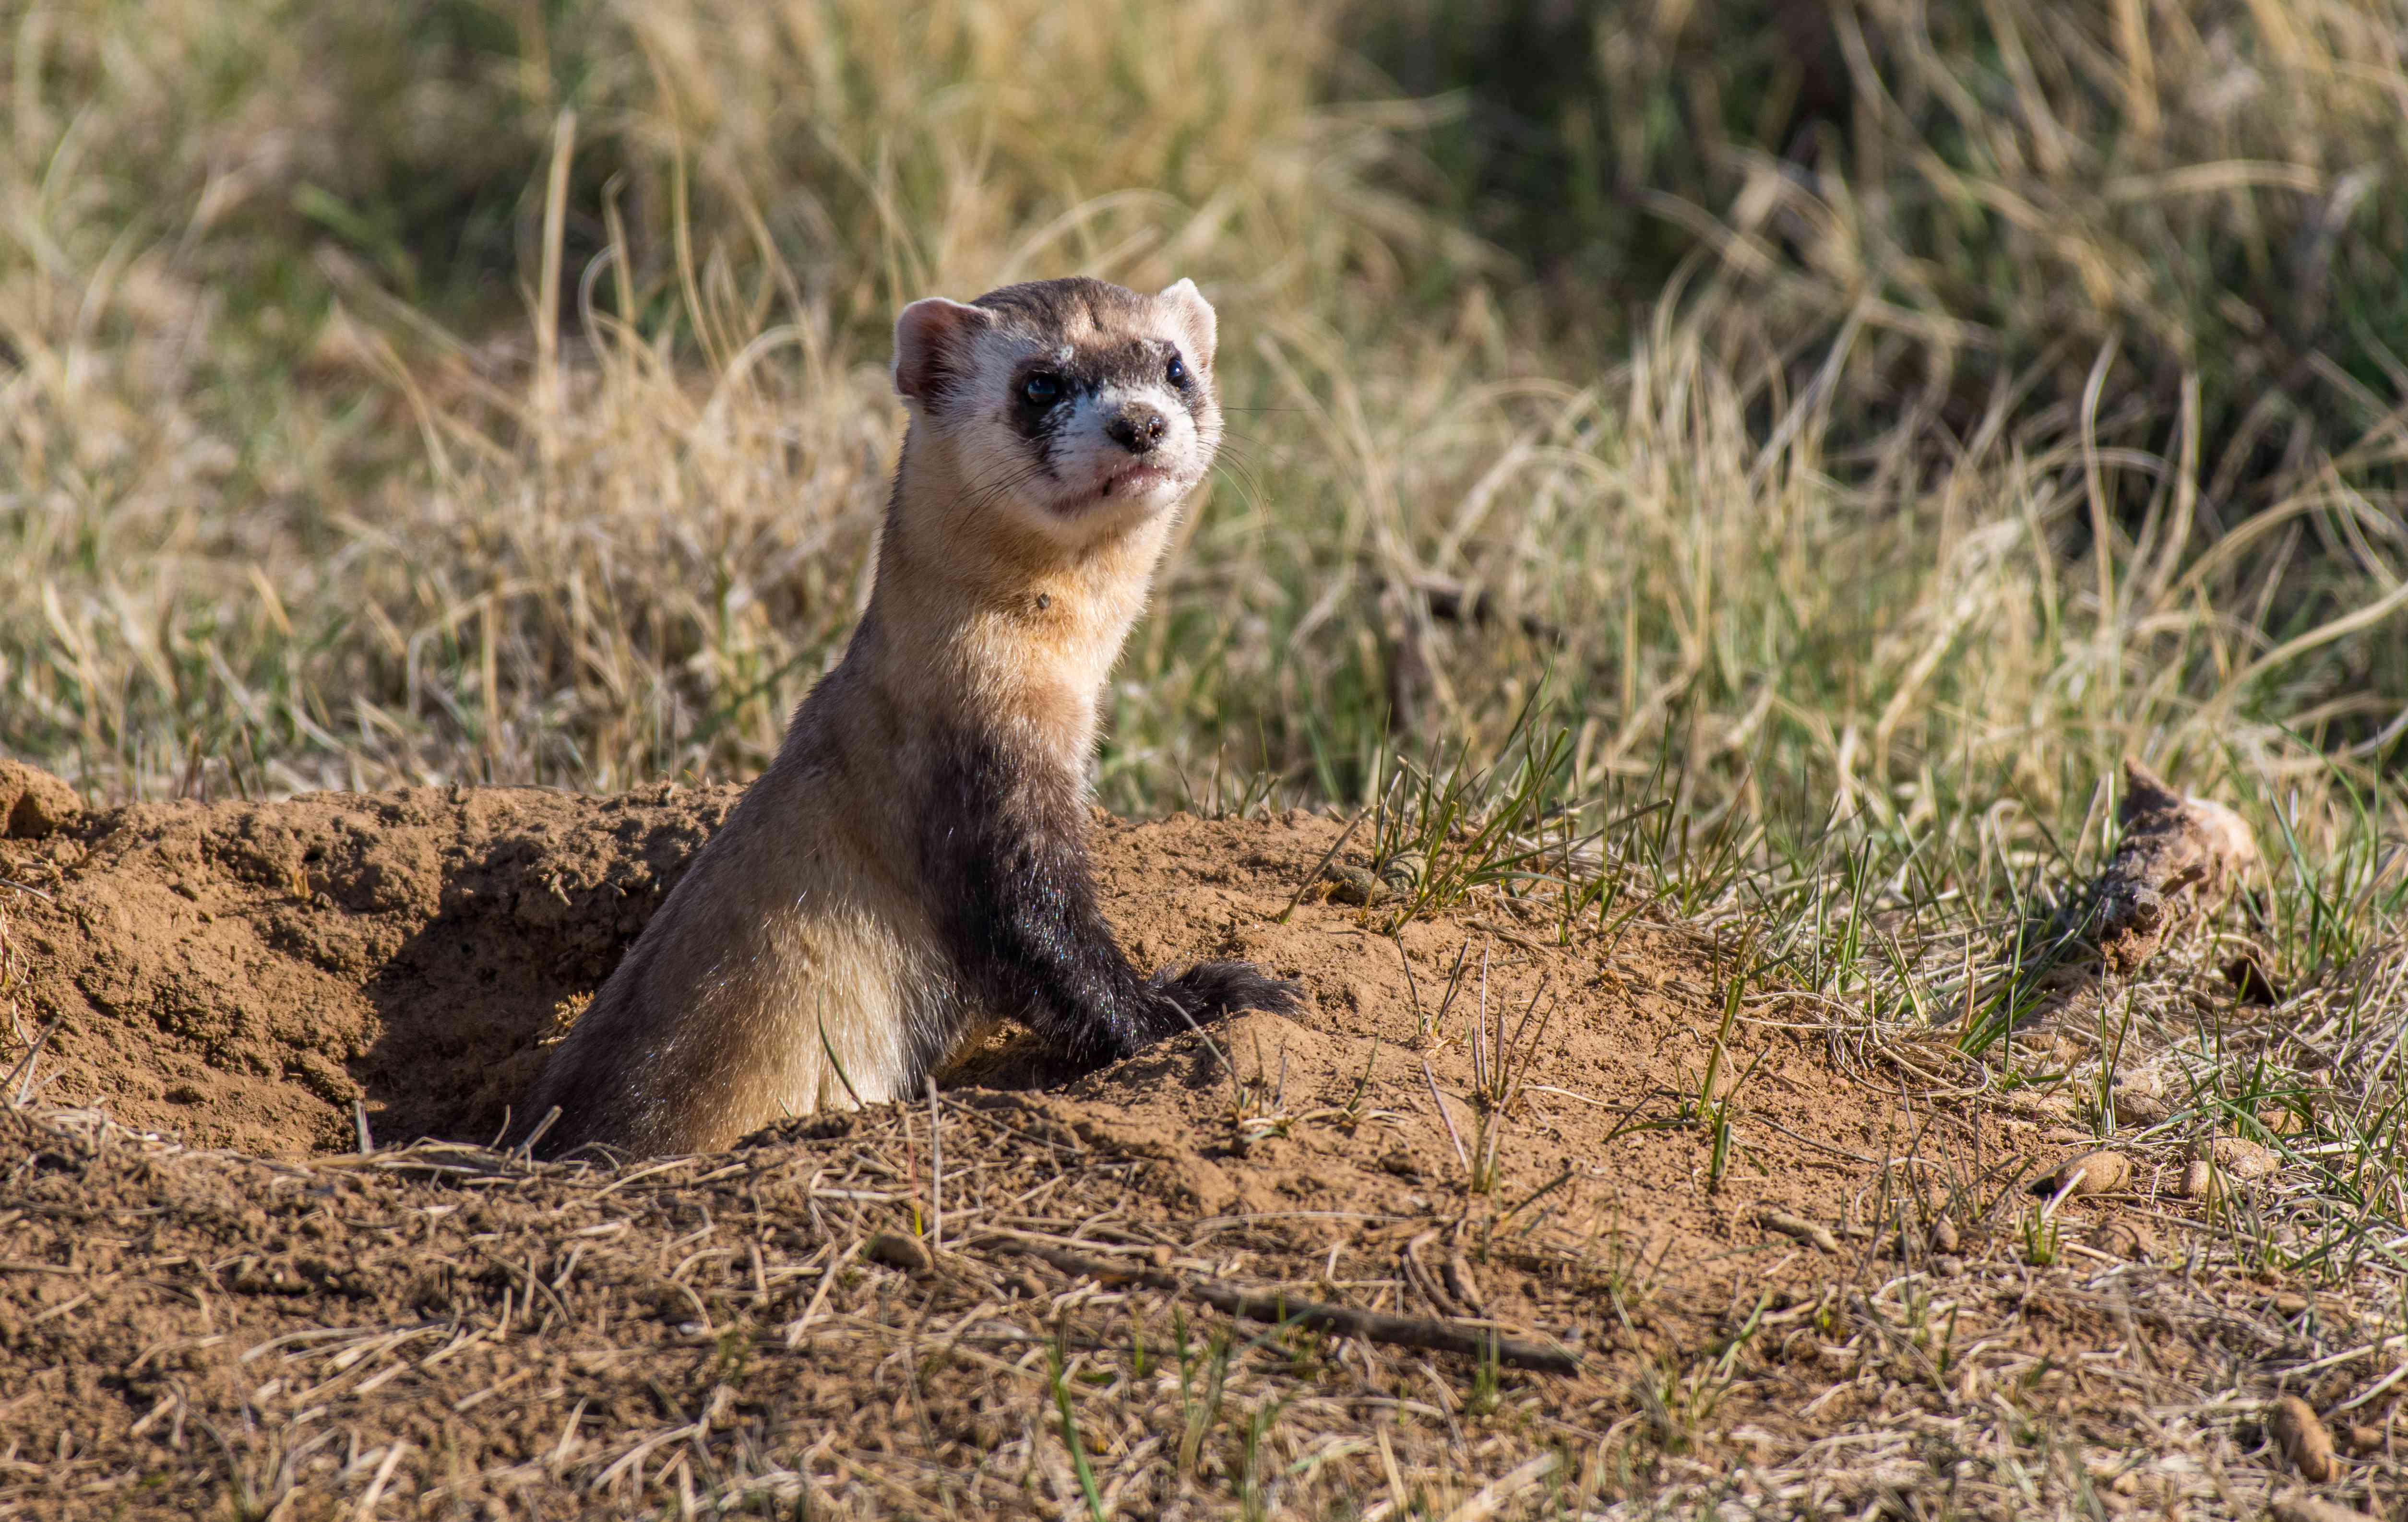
[1797, 1228]
[1326, 857]
[1279, 1308]
[25, 1063]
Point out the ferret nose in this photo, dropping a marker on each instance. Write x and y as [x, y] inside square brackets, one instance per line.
[1136, 429]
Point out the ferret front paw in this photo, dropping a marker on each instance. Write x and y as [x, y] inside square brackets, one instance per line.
[1213, 991]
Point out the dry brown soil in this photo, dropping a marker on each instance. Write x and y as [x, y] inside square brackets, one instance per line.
[210, 1301]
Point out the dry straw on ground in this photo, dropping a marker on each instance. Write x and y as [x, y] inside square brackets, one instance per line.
[1752, 1278]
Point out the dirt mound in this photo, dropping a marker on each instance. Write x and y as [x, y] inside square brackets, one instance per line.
[238, 974]
[1469, 1126]
[241, 975]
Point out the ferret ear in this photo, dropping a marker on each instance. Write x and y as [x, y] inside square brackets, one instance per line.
[932, 344]
[1194, 315]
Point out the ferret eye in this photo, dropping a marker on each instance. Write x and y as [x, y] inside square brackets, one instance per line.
[1041, 390]
[1176, 371]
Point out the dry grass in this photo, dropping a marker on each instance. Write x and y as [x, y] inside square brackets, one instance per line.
[2043, 416]
[313, 541]
[724, 1334]
[1993, 194]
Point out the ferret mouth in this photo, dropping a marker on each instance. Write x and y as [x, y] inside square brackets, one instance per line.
[1135, 480]
[1146, 488]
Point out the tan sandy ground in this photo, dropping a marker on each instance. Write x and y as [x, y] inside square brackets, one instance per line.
[212, 1304]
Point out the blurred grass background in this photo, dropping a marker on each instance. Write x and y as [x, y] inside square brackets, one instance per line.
[1869, 411]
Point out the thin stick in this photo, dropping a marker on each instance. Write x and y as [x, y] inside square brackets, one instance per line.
[1460, 1155]
[794, 1329]
[1539, 1193]
[10, 883]
[911, 1172]
[27, 1061]
[526, 1148]
[936, 1172]
[1412, 989]
[829, 1047]
[1454, 984]
[1279, 1308]
[1326, 857]
[360, 1124]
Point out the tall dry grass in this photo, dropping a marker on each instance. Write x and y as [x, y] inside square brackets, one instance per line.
[285, 504]
[276, 514]
[1998, 189]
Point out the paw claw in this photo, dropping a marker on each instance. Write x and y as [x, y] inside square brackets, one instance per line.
[1215, 990]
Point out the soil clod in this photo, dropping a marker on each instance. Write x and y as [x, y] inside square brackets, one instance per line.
[2239, 1157]
[2178, 853]
[2087, 1174]
[2300, 1435]
[33, 804]
[896, 1250]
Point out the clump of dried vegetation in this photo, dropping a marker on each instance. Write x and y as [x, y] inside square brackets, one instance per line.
[1758, 464]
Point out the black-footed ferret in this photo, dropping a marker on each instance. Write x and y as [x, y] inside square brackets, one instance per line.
[915, 860]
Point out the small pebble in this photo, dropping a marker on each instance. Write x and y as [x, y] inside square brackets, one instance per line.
[2089, 1173]
[1354, 885]
[2146, 1085]
[2241, 1158]
[1944, 1236]
[2140, 1110]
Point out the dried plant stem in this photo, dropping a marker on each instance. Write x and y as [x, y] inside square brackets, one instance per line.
[1279, 1308]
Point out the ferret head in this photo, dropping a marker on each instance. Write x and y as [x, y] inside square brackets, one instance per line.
[1066, 410]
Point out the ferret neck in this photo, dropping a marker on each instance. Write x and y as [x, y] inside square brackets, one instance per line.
[974, 625]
